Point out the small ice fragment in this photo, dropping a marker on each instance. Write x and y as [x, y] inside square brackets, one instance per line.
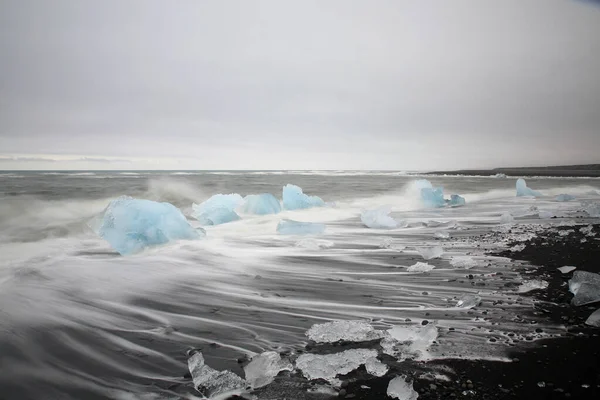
[317, 366]
[420, 267]
[499, 176]
[546, 214]
[468, 301]
[130, 225]
[429, 253]
[533, 284]
[564, 197]
[295, 199]
[264, 368]
[404, 341]
[442, 235]
[581, 277]
[456, 201]
[261, 204]
[388, 243]
[378, 218]
[433, 197]
[565, 232]
[465, 262]
[376, 367]
[506, 218]
[211, 382]
[518, 247]
[594, 319]
[593, 209]
[290, 227]
[348, 331]
[523, 190]
[400, 389]
[542, 384]
[218, 209]
[566, 269]
[588, 230]
[587, 293]
[314, 244]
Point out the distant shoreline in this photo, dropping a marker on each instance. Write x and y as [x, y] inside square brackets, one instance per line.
[589, 170]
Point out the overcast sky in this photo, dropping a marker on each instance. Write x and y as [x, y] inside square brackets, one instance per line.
[307, 84]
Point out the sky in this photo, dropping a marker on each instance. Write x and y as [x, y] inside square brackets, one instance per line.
[310, 84]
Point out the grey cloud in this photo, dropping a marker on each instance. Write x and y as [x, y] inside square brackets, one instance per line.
[512, 82]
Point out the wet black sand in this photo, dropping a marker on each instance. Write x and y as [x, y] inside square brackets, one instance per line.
[562, 368]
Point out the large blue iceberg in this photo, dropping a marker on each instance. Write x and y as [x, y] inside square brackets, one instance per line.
[130, 225]
[294, 199]
[261, 204]
[378, 218]
[434, 197]
[523, 190]
[218, 209]
[290, 227]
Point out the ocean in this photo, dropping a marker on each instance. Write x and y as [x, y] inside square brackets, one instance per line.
[80, 321]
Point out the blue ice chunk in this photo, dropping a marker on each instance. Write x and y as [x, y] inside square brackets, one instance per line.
[433, 197]
[130, 225]
[456, 201]
[378, 218]
[261, 204]
[218, 209]
[564, 197]
[294, 199]
[290, 227]
[422, 184]
[523, 190]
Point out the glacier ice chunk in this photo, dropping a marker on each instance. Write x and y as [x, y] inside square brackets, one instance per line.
[348, 331]
[420, 267]
[592, 209]
[376, 367]
[429, 253]
[211, 382]
[314, 244]
[581, 277]
[585, 286]
[465, 262]
[328, 366]
[594, 319]
[130, 225]
[264, 368]
[456, 201]
[506, 218]
[295, 199]
[378, 218]
[441, 235]
[409, 341]
[468, 301]
[400, 389]
[499, 175]
[291, 227]
[388, 243]
[261, 204]
[218, 209]
[433, 197]
[564, 197]
[523, 190]
[534, 284]
[566, 269]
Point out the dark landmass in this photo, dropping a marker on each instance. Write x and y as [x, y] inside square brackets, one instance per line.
[589, 170]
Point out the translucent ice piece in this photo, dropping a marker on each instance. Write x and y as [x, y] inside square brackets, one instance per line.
[328, 366]
[400, 389]
[349, 331]
[295, 199]
[429, 253]
[261, 204]
[264, 368]
[211, 382]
